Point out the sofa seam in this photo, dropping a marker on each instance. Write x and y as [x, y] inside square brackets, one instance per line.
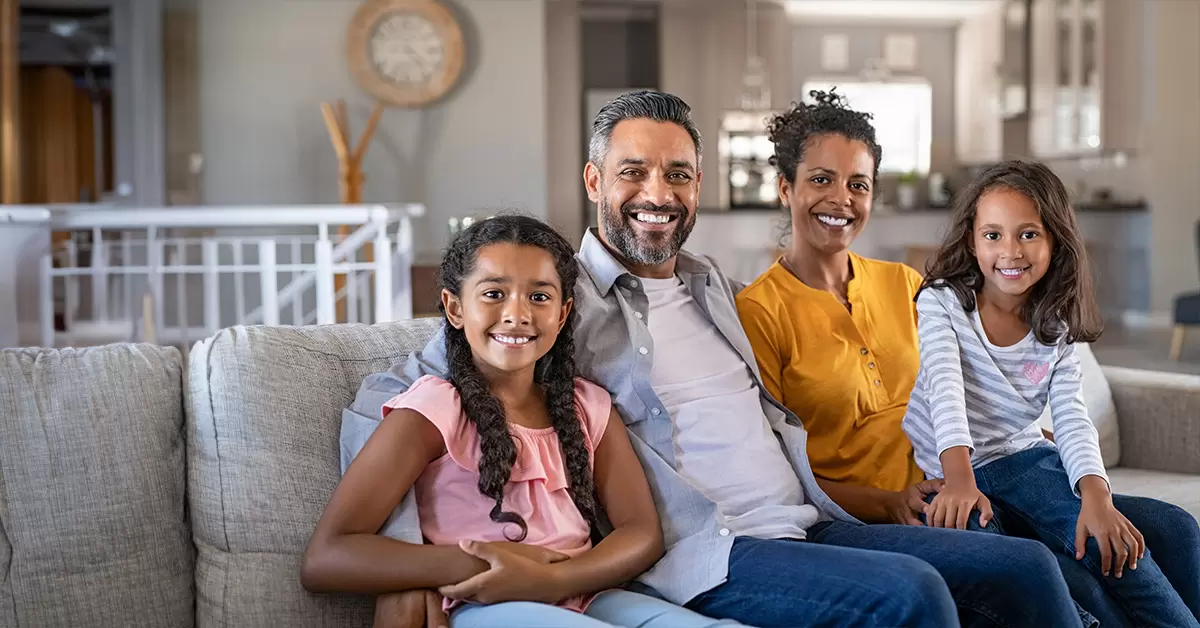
[220, 471]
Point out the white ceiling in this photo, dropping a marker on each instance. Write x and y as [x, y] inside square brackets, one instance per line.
[929, 11]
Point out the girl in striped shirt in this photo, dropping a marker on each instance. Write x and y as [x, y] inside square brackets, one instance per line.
[1002, 305]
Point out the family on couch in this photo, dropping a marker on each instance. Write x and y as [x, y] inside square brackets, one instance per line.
[840, 443]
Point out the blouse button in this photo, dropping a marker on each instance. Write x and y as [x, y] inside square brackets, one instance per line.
[637, 315]
[643, 350]
[871, 365]
[863, 351]
[878, 383]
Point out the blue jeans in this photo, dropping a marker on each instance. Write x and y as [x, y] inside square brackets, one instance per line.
[618, 608]
[890, 575]
[1031, 496]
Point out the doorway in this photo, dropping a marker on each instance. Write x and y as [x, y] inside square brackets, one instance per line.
[66, 104]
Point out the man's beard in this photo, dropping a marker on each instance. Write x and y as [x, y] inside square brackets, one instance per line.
[645, 248]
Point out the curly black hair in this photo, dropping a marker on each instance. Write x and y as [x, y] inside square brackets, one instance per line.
[829, 115]
[555, 371]
[1062, 305]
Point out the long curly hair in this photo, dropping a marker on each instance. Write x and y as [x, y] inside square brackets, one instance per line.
[829, 114]
[554, 372]
[1062, 305]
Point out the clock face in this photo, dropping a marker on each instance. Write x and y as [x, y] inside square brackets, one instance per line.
[406, 48]
[405, 52]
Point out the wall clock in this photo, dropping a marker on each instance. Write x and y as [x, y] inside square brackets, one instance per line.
[405, 52]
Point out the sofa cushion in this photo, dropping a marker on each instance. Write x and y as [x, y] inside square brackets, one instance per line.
[93, 528]
[1097, 396]
[1180, 489]
[264, 411]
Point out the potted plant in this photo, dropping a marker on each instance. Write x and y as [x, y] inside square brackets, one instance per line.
[906, 190]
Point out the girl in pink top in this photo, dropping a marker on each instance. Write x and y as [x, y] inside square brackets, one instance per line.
[512, 458]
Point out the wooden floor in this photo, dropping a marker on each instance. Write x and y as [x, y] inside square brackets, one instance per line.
[1147, 349]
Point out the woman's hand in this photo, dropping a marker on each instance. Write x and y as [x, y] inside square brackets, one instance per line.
[1119, 541]
[904, 506]
[512, 576]
[952, 507]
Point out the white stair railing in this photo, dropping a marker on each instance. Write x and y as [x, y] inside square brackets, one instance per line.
[176, 275]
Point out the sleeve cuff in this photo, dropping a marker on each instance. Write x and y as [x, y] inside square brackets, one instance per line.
[1078, 476]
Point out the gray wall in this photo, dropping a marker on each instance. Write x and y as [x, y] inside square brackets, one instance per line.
[1171, 134]
[564, 95]
[267, 65]
[935, 63]
[703, 56]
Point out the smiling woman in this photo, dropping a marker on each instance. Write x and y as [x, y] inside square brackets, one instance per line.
[834, 333]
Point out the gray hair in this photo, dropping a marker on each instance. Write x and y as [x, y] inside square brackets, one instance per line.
[648, 104]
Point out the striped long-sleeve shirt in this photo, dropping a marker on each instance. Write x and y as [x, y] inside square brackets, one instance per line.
[970, 392]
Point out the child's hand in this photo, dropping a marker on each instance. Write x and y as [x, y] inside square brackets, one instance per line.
[512, 576]
[951, 508]
[536, 553]
[1119, 541]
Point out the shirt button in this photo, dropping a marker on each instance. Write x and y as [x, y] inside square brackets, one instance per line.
[633, 283]
[643, 351]
[656, 412]
[637, 315]
[870, 365]
[724, 532]
[863, 351]
[878, 383]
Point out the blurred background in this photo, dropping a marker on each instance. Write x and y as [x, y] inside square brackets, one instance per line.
[471, 106]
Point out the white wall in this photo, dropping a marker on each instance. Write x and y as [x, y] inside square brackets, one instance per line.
[266, 65]
[1171, 164]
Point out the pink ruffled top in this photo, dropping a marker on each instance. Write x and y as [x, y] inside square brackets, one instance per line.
[449, 503]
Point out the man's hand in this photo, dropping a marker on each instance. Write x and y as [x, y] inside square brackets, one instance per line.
[410, 609]
[905, 505]
[513, 576]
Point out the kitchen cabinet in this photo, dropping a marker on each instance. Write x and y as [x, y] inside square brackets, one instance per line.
[1084, 78]
[979, 88]
[991, 79]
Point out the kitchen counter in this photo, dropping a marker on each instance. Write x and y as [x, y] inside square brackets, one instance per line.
[745, 242]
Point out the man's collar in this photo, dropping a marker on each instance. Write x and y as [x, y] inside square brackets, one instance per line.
[605, 270]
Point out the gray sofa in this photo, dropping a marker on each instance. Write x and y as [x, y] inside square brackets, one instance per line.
[137, 492]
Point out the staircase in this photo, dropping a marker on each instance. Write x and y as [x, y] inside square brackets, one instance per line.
[176, 275]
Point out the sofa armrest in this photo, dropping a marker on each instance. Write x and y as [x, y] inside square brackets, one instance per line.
[1158, 414]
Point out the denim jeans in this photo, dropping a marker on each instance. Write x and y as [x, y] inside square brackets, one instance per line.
[619, 608]
[1032, 497]
[890, 575]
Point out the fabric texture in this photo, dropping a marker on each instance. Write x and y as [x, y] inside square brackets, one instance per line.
[704, 384]
[1101, 409]
[846, 374]
[613, 348]
[972, 393]
[1158, 425]
[827, 586]
[452, 508]
[93, 526]
[263, 406]
[1037, 502]
[612, 609]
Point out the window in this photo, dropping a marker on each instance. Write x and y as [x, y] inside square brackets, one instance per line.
[903, 118]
